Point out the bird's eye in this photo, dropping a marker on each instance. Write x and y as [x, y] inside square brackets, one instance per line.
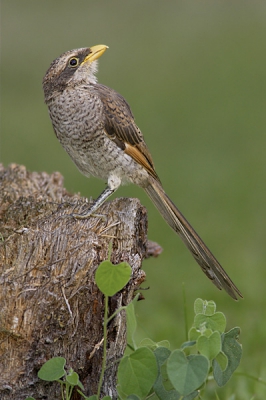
[73, 62]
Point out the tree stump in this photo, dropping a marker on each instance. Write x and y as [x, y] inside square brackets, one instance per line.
[49, 302]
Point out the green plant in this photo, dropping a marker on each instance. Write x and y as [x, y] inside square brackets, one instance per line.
[150, 368]
[210, 353]
[54, 370]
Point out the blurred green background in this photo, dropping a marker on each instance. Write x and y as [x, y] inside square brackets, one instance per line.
[194, 75]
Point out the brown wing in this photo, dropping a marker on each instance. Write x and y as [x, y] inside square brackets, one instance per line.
[121, 128]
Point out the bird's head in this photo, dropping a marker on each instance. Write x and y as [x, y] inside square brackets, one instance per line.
[72, 68]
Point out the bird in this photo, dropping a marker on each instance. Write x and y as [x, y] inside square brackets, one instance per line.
[96, 127]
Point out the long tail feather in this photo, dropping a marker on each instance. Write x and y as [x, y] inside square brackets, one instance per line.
[206, 260]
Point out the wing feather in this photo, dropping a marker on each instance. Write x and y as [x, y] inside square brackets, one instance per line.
[122, 129]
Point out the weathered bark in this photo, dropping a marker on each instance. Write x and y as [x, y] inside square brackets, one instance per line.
[49, 303]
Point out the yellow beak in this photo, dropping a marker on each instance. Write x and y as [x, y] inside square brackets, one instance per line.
[96, 52]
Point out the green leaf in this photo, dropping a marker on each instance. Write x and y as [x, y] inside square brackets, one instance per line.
[191, 396]
[188, 344]
[233, 351]
[80, 385]
[198, 306]
[112, 278]
[121, 394]
[107, 398]
[210, 346]
[208, 332]
[53, 369]
[222, 360]
[163, 387]
[204, 307]
[187, 373]
[215, 322]
[72, 378]
[167, 384]
[30, 398]
[133, 397]
[131, 324]
[193, 334]
[210, 308]
[137, 372]
[164, 343]
[147, 342]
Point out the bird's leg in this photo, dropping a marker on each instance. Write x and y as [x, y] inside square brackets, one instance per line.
[113, 184]
[97, 203]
